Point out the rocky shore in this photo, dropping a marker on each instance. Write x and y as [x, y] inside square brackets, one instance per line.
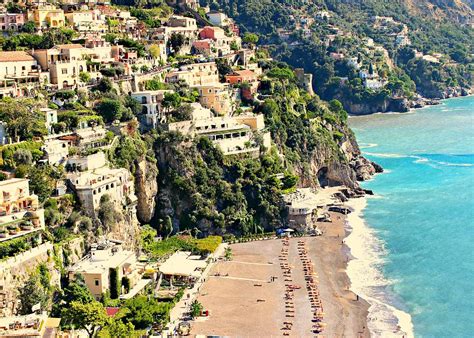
[403, 105]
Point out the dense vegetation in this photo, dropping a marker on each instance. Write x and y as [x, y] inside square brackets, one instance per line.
[205, 192]
[345, 29]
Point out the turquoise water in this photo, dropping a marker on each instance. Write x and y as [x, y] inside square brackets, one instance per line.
[425, 211]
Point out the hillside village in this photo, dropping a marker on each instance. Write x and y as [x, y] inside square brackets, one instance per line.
[370, 57]
[88, 91]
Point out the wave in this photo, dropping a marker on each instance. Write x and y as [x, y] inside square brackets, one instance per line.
[367, 145]
[388, 155]
[434, 160]
[367, 280]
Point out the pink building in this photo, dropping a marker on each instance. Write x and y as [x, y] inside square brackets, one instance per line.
[12, 21]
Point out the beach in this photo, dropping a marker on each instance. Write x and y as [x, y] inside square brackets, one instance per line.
[243, 301]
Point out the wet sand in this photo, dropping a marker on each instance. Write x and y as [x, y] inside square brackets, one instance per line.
[246, 303]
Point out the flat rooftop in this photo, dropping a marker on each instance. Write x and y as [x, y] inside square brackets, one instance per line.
[182, 263]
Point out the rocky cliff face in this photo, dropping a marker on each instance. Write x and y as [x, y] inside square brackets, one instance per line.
[388, 105]
[347, 168]
[146, 189]
[126, 229]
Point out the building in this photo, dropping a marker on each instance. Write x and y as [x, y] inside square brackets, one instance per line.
[247, 80]
[241, 76]
[87, 138]
[151, 105]
[51, 117]
[20, 212]
[56, 151]
[205, 47]
[63, 62]
[86, 162]
[233, 135]
[182, 21]
[19, 73]
[217, 18]
[105, 261]
[223, 44]
[374, 83]
[197, 74]
[183, 266]
[302, 208]
[91, 185]
[101, 51]
[217, 97]
[12, 21]
[47, 16]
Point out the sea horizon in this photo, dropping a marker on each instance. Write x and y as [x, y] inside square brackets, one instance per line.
[417, 229]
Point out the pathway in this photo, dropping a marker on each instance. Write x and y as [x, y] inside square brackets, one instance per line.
[183, 306]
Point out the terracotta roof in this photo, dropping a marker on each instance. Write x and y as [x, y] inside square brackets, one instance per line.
[111, 311]
[245, 72]
[15, 56]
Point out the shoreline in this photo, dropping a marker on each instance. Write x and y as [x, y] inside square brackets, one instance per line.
[367, 255]
[412, 110]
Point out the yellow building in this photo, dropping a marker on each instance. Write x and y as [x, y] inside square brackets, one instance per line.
[96, 267]
[217, 97]
[47, 17]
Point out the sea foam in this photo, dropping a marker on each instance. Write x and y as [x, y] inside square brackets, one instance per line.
[367, 280]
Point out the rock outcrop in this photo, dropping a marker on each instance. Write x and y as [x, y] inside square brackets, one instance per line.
[146, 189]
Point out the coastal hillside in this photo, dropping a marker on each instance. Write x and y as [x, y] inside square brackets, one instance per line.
[202, 190]
[372, 56]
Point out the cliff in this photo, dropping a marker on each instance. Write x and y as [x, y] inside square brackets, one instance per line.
[146, 189]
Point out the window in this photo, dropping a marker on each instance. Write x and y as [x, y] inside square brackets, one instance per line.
[64, 71]
[96, 282]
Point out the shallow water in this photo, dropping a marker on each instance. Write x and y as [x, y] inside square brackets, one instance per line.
[422, 223]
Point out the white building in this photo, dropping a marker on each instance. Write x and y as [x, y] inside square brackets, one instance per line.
[151, 105]
[217, 18]
[51, 116]
[56, 151]
[197, 74]
[90, 186]
[233, 135]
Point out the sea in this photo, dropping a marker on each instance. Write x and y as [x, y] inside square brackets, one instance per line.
[413, 241]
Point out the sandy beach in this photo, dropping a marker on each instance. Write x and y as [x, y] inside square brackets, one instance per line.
[243, 301]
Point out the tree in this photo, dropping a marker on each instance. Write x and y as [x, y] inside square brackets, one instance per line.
[23, 156]
[22, 117]
[177, 41]
[289, 180]
[143, 312]
[104, 85]
[85, 77]
[29, 27]
[90, 316]
[31, 294]
[171, 100]
[115, 283]
[154, 51]
[42, 180]
[133, 104]
[110, 109]
[107, 213]
[183, 113]
[77, 291]
[196, 309]
[250, 38]
[117, 329]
